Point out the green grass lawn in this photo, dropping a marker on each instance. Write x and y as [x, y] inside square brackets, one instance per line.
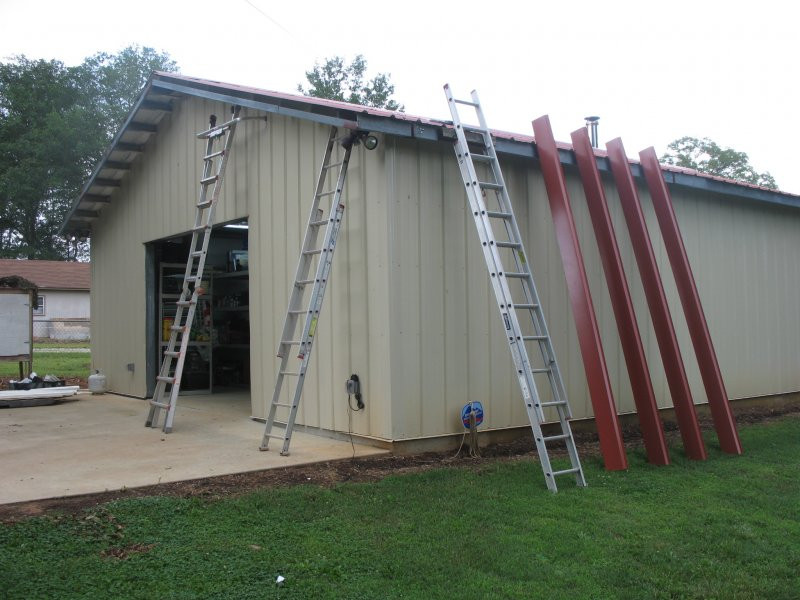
[62, 364]
[725, 528]
[60, 344]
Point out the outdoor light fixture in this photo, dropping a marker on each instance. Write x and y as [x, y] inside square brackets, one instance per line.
[370, 142]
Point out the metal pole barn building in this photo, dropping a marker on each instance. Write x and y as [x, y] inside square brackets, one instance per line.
[409, 307]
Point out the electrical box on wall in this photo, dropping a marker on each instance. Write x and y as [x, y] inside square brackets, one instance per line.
[353, 388]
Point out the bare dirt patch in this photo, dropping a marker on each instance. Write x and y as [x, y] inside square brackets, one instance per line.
[122, 553]
[359, 469]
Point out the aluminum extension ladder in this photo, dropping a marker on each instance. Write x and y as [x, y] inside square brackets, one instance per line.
[332, 222]
[521, 312]
[168, 381]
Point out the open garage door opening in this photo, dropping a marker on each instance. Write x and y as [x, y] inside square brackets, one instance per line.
[218, 355]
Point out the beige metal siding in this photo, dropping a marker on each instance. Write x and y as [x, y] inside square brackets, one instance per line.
[447, 345]
[409, 307]
[270, 179]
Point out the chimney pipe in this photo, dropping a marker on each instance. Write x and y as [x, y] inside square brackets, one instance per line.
[591, 125]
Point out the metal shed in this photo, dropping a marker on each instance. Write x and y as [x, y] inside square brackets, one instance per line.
[409, 306]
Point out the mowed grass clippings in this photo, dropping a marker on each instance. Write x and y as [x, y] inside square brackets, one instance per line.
[725, 528]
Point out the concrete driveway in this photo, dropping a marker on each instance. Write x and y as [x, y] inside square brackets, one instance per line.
[100, 443]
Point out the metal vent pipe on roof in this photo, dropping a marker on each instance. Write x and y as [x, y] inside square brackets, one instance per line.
[591, 125]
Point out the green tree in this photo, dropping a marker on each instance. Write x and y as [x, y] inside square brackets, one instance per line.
[55, 122]
[707, 156]
[336, 80]
[115, 80]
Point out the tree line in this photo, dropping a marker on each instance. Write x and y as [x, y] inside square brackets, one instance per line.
[55, 123]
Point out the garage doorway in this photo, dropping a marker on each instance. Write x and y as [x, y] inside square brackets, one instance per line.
[218, 355]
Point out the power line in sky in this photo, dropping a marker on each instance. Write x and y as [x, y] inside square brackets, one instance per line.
[273, 21]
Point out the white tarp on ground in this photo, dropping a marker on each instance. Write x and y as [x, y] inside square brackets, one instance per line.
[37, 397]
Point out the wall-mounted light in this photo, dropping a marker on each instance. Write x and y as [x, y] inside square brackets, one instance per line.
[357, 137]
[370, 142]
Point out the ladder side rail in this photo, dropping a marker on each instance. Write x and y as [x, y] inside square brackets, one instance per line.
[528, 385]
[311, 311]
[322, 277]
[517, 348]
[187, 302]
[336, 212]
[531, 294]
[311, 235]
[199, 268]
[494, 263]
[502, 291]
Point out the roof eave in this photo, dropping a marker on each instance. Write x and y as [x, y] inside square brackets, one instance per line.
[398, 124]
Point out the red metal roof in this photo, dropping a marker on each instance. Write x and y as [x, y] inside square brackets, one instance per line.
[401, 116]
[50, 274]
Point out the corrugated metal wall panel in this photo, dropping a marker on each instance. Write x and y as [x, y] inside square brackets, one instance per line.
[270, 178]
[447, 344]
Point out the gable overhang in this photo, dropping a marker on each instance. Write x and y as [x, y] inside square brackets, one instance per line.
[162, 90]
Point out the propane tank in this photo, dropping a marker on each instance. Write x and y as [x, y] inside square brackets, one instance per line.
[97, 382]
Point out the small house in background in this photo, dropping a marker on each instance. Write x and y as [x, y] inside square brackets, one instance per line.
[63, 309]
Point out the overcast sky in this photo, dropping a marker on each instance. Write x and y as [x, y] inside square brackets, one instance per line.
[653, 72]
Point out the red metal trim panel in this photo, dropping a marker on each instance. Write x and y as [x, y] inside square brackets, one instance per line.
[657, 302]
[724, 422]
[594, 362]
[632, 347]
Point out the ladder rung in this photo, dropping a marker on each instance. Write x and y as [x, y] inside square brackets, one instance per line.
[490, 186]
[531, 338]
[518, 275]
[300, 311]
[282, 404]
[332, 165]
[294, 373]
[554, 403]
[275, 436]
[185, 302]
[524, 306]
[291, 342]
[172, 353]
[566, 471]
[312, 252]
[178, 327]
[205, 204]
[197, 254]
[218, 129]
[327, 193]
[498, 215]
[508, 245]
[466, 102]
[165, 379]
[214, 154]
[304, 281]
[209, 180]
[545, 370]
[318, 223]
[481, 157]
[201, 227]
[475, 128]
[555, 438]
[159, 404]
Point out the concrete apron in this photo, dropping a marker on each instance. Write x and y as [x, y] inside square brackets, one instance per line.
[100, 443]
